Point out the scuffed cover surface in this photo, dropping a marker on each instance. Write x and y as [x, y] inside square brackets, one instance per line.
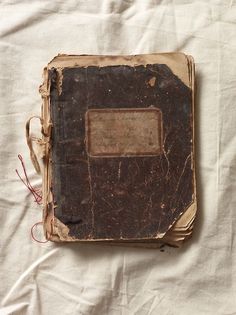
[121, 197]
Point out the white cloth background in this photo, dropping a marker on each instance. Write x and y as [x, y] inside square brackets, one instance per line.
[200, 278]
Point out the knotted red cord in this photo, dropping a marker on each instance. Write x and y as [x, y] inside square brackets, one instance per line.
[35, 192]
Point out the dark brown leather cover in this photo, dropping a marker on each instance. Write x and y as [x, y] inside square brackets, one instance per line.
[122, 197]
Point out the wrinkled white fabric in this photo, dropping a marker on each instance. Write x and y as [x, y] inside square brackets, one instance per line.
[200, 278]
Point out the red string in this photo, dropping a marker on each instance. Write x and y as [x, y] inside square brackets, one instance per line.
[32, 233]
[34, 191]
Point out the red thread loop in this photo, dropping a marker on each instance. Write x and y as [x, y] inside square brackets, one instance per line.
[32, 233]
[35, 192]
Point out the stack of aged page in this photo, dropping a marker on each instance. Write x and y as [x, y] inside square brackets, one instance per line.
[118, 137]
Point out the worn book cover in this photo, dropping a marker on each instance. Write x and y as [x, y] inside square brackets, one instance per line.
[119, 148]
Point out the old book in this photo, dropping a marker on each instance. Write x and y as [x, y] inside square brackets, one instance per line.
[119, 149]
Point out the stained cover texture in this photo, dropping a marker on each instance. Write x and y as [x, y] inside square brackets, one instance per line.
[122, 197]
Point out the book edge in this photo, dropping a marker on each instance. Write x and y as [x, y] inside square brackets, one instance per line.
[58, 232]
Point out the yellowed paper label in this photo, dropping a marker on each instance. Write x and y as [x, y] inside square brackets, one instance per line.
[124, 132]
